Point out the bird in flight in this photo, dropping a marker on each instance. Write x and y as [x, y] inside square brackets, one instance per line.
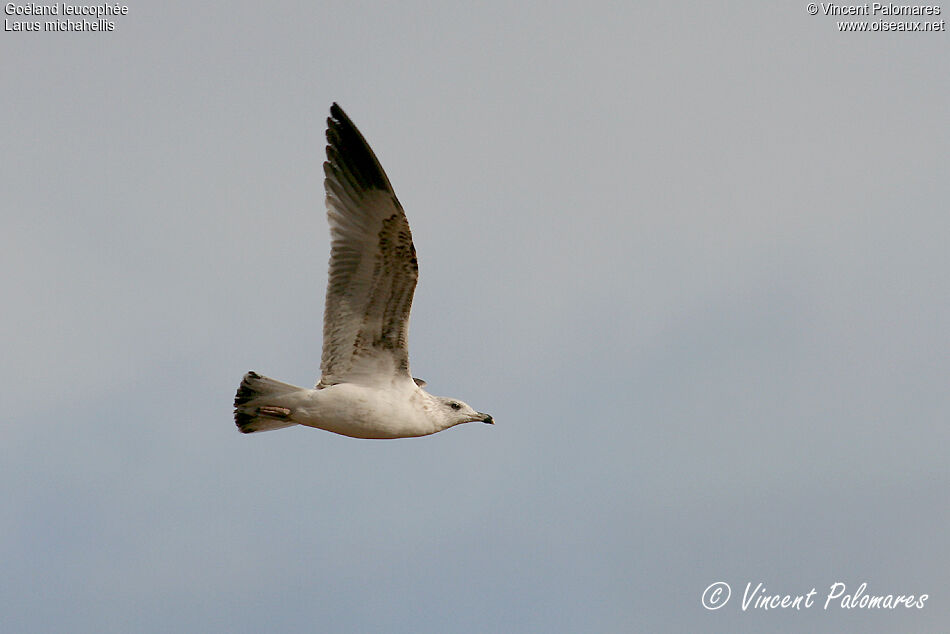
[366, 389]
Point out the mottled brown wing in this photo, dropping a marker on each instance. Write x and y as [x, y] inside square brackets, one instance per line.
[373, 268]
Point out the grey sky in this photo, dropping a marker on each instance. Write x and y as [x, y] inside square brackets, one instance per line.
[693, 260]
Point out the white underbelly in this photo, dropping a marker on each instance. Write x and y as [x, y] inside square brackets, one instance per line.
[363, 412]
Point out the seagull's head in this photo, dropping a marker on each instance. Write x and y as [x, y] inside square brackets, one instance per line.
[455, 412]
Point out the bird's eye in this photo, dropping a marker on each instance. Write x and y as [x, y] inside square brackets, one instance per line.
[455, 406]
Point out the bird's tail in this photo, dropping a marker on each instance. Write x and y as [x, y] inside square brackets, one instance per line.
[252, 412]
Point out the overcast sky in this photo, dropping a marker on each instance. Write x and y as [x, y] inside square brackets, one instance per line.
[693, 260]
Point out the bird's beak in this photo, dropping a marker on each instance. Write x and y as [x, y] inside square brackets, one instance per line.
[486, 418]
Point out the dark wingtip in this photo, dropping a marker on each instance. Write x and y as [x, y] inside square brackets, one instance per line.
[350, 156]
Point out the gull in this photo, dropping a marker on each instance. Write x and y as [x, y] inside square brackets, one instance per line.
[366, 389]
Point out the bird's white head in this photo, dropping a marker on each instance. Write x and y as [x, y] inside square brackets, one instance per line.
[454, 412]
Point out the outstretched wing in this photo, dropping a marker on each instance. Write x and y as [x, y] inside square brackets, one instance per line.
[373, 269]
